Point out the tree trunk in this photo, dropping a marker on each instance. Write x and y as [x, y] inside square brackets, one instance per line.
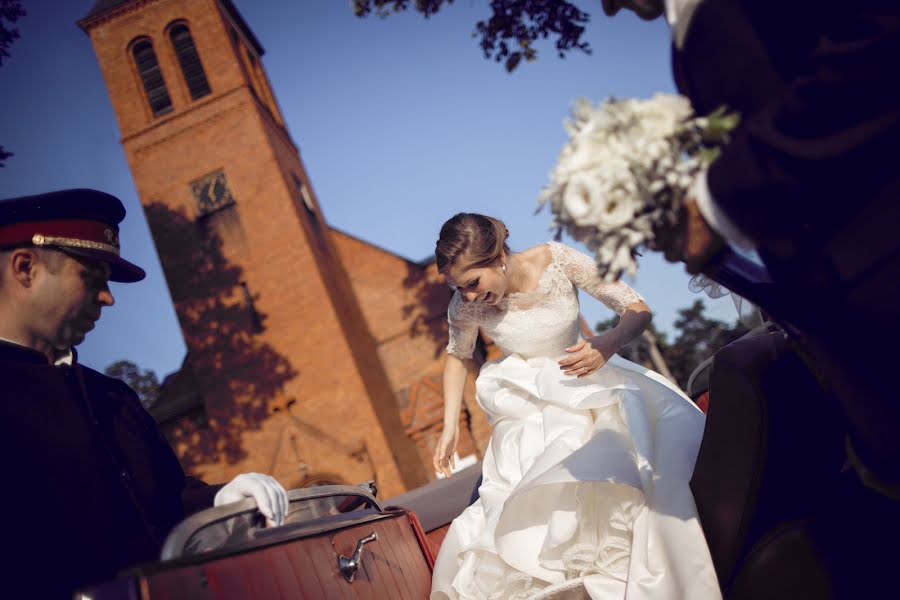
[659, 363]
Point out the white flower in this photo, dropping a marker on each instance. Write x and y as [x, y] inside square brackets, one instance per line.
[615, 209]
[624, 171]
[578, 156]
[656, 186]
[604, 197]
[623, 262]
[581, 194]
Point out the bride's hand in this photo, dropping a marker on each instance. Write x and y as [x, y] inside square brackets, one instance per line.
[585, 357]
[444, 461]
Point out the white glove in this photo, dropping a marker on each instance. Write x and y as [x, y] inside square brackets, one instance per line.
[270, 496]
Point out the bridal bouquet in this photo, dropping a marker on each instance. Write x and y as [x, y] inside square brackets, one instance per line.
[626, 172]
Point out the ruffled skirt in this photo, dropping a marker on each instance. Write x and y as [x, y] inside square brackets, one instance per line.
[584, 491]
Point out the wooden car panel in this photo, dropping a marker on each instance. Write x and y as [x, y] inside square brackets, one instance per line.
[395, 566]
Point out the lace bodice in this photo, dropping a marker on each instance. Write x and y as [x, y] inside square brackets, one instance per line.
[543, 322]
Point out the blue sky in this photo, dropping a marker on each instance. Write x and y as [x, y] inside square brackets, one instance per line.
[401, 123]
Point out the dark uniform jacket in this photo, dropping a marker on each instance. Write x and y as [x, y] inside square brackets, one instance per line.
[811, 176]
[90, 486]
[816, 84]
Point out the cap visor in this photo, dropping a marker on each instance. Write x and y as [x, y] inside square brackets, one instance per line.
[120, 270]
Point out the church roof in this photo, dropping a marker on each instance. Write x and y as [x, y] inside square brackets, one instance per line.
[104, 6]
[101, 6]
[423, 263]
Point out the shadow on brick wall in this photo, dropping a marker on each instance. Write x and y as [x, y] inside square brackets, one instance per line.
[427, 314]
[236, 375]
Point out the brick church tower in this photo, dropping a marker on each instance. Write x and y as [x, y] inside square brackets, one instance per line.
[283, 373]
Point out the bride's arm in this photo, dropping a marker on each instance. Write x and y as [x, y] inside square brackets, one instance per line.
[631, 324]
[455, 372]
[588, 355]
[463, 332]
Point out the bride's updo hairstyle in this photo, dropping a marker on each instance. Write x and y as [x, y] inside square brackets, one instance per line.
[470, 240]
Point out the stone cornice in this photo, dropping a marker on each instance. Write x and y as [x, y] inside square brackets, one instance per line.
[133, 142]
[88, 23]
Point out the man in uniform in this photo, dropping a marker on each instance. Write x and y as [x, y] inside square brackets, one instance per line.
[90, 486]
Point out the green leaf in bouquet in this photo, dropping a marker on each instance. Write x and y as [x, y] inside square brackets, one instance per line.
[719, 124]
[707, 155]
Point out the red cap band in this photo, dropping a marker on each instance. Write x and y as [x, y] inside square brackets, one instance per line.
[70, 230]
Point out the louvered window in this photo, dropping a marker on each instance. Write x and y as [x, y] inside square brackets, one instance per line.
[189, 60]
[154, 84]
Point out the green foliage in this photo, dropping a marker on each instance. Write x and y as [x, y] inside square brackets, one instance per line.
[143, 382]
[508, 36]
[10, 12]
[697, 337]
[383, 8]
[721, 123]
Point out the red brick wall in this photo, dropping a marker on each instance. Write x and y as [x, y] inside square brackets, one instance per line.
[309, 387]
[406, 306]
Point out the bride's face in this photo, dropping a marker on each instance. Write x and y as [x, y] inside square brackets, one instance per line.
[480, 284]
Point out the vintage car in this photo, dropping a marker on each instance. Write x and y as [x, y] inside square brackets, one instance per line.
[336, 542]
[772, 450]
[759, 470]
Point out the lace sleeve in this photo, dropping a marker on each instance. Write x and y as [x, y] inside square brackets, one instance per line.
[463, 329]
[582, 272]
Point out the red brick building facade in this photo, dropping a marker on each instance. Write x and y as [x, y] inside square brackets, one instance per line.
[288, 371]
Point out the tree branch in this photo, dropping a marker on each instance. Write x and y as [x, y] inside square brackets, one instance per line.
[508, 36]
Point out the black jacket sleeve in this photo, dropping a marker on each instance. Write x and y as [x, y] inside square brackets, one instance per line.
[818, 152]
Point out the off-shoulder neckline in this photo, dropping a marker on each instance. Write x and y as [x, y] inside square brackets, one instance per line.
[539, 285]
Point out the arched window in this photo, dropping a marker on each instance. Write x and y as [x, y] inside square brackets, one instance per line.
[151, 76]
[191, 67]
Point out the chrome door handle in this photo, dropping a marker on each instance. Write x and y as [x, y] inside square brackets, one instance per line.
[349, 566]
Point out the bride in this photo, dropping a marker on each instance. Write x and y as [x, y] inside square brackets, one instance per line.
[585, 479]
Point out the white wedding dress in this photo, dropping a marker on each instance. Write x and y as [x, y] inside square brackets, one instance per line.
[585, 488]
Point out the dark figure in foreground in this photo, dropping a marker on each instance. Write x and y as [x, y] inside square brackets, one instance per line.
[810, 182]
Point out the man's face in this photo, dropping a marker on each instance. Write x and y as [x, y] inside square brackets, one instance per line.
[67, 300]
[645, 9]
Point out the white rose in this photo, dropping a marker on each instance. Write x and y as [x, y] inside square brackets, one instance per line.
[578, 156]
[582, 193]
[615, 209]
